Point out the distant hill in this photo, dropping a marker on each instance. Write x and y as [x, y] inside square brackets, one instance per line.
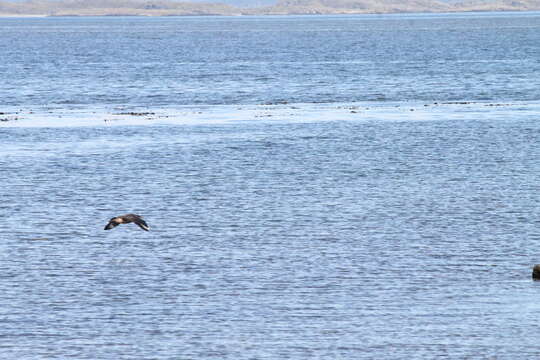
[498, 5]
[285, 7]
[396, 6]
[114, 7]
[241, 3]
[237, 3]
[356, 6]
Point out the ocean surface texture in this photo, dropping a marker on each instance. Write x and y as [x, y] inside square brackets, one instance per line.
[318, 187]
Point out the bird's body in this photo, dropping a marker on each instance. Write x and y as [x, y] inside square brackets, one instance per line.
[126, 219]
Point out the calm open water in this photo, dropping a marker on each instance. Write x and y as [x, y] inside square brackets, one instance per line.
[317, 187]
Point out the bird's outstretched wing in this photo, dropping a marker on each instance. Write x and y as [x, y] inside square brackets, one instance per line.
[111, 224]
[142, 224]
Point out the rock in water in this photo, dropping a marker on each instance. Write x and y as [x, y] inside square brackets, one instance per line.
[536, 272]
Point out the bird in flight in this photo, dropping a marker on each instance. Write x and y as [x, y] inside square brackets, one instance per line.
[126, 219]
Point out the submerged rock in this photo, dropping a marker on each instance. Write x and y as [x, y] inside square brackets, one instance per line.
[8, 118]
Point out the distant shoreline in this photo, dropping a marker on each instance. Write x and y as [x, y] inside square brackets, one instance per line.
[112, 15]
[92, 8]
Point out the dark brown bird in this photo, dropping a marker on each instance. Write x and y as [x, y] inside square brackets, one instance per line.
[126, 219]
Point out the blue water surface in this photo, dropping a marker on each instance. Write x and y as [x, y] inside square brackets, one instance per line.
[402, 233]
[251, 60]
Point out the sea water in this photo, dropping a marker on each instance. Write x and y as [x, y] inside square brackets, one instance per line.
[318, 187]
